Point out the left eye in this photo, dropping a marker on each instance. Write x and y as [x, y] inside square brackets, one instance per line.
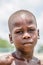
[31, 30]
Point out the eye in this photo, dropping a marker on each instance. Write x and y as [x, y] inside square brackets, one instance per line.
[19, 32]
[31, 30]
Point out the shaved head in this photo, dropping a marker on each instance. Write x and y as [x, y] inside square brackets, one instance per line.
[16, 15]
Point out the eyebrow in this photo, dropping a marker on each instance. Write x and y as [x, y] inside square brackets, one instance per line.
[31, 26]
[16, 28]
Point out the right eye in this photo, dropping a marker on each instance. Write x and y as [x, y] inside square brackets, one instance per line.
[19, 32]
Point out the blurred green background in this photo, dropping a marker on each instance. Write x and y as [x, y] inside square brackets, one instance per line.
[5, 46]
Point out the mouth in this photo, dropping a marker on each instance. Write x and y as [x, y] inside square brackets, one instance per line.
[27, 43]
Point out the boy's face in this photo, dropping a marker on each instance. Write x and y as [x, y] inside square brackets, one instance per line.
[24, 33]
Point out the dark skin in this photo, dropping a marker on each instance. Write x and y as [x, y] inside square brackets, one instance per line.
[24, 35]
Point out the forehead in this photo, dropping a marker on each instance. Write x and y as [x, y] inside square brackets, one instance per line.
[20, 18]
[23, 19]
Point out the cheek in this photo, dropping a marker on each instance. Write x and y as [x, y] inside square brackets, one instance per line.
[17, 42]
[16, 39]
[35, 37]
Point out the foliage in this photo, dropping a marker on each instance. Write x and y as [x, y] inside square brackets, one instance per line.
[40, 49]
[5, 46]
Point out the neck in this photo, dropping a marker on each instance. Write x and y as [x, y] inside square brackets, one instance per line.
[25, 55]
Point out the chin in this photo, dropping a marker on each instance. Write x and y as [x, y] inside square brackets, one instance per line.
[28, 49]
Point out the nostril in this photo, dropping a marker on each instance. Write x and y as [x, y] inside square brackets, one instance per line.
[26, 35]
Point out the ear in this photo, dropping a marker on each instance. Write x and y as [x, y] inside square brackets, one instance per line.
[10, 37]
[38, 34]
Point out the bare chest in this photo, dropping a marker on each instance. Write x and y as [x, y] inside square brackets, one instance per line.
[19, 62]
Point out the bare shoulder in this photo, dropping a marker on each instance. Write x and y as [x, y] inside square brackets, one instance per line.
[37, 60]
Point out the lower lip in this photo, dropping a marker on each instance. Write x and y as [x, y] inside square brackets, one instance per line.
[27, 44]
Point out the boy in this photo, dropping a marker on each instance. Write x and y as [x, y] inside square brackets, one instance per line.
[24, 34]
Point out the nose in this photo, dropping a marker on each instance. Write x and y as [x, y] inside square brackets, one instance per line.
[26, 35]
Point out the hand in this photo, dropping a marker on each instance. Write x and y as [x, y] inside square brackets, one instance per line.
[7, 60]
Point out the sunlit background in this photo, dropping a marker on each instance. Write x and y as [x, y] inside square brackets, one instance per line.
[7, 7]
